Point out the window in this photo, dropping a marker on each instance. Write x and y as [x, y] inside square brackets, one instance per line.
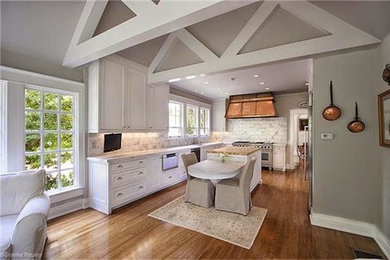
[2, 125]
[204, 121]
[192, 120]
[175, 119]
[50, 135]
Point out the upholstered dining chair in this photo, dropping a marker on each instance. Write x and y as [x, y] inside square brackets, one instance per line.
[234, 194]
[198, 191]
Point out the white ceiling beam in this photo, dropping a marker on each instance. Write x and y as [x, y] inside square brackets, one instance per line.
[88, 21]
[162, 52]
[195, 45]
[250, 28]
[169, 16]
[140, 7]
[341, 35]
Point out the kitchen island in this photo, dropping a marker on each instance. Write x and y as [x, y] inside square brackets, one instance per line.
[240, 154]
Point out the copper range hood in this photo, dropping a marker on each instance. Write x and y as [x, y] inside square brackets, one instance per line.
[251, 106]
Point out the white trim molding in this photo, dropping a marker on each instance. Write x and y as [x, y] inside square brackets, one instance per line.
[354, 227]
[68, 207]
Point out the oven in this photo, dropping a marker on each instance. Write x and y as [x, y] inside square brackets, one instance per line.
[266, 158]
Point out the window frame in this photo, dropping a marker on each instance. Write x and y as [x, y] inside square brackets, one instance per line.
[181, 119]
[75, 135]
[3, 126]
[196, 134]
[207, 124]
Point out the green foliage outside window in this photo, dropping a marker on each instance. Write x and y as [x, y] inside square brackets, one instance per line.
[191, 120]
[56, 114]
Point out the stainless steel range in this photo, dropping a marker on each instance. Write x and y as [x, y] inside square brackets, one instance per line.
[266, 151]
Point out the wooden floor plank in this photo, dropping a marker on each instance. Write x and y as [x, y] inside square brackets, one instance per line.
[130, 233]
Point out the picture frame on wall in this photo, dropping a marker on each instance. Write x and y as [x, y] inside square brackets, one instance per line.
[384, 118]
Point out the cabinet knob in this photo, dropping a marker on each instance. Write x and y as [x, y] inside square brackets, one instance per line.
[119, 178]
[140, 162]
[119, 194]
[150, 127]
[141, 187]
[170, 177]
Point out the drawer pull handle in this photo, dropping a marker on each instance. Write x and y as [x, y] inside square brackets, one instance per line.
[140, 162]
[140, 173]
[170, 177]
[119, 194]
[120, 166]
[119, 178]
[141, 187]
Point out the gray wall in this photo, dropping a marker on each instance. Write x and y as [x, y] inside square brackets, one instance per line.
[19, 61]
[384, 153]
[347, 180]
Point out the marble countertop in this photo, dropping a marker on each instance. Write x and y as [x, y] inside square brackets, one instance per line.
[113, 157]
[232, 150]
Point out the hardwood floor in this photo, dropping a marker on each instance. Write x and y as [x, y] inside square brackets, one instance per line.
[130, 233]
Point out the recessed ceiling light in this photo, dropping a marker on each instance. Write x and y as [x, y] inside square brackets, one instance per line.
[202, 75]
[226, 93]
[256, 76]
[218, 88]
[190, 77]
[206, 83]
[196, 90]
[261, 83]
[266, 88]
[201, 93]
[174, 80]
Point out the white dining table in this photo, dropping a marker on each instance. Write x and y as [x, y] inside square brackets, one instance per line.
[215, 169]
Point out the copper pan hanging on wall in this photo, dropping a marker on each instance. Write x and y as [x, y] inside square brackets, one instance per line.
[332, 112]
[356, 125]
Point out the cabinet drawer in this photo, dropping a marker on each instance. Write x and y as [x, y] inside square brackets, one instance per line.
[170, 176]
[128, 192]
[124, 177]
[116, 167]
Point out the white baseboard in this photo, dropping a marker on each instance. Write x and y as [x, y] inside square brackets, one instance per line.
[68, 207]
[354, 227]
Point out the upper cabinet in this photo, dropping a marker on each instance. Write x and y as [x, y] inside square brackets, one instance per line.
[157, 107]
[218, 121]
[116, 96]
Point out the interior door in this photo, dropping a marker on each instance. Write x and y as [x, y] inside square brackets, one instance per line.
[113, 96]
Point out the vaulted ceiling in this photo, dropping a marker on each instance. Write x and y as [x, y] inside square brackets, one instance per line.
[195, 38]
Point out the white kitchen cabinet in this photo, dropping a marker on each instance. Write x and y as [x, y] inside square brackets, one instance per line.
[114, 184]
[155, 173]
[218, 120]
[116, 96]
[157, 101]
[279, 157]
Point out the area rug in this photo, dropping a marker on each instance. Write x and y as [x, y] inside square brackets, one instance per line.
[230, 227]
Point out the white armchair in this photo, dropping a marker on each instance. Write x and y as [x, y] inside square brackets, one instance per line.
[24, 210]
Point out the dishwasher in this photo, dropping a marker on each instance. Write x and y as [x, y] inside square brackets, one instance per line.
[170, 161]
[197, 152]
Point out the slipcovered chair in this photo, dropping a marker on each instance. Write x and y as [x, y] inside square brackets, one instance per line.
[234, 194]
[198, 191]
[23, 215]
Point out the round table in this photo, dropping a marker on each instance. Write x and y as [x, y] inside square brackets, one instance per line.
[215, 170]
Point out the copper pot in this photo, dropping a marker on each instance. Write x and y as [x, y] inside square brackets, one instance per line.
[332, 112]
[356, 125]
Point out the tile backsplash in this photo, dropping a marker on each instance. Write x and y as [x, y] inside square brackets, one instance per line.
[132, 142]
[257, 130]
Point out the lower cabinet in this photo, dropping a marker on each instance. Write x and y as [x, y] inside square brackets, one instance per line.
[112, 185]
[279, 157]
